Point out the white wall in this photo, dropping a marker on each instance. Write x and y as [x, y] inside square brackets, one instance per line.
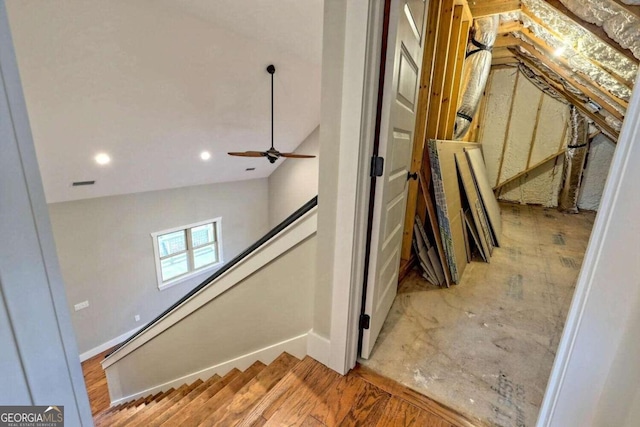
[595, 174]
[38, 354]
[508, 140]
[270, 307]
[295, 182]
[106, 252]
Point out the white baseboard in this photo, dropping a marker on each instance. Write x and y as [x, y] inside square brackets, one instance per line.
[296, 346]
[318, 347]
[107, 345]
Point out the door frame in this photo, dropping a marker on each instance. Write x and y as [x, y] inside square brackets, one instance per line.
[348, 273]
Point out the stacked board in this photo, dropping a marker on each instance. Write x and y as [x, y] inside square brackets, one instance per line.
[466, 208]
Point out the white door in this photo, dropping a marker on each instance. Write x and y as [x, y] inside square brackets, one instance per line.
[402, 76]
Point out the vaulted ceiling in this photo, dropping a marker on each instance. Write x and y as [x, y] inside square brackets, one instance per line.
[153, 83]
[586, 50]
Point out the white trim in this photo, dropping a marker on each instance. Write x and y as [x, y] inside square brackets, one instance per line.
[217, 223]
[360, 87]
[107, 345]
[304, 227]
[587, 281]
[296, 346]
[318, 347]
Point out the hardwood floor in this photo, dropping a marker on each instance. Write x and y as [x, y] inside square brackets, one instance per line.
[286, 392]
[96, 382]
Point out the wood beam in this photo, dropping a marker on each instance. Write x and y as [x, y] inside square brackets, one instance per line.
[480, 8]
[596, 30]
[509, 27]
[466, 10]
[560, 38]
[441, 59]
[573, 99]
[528, 170]
[505, 40]
[504, 61]
[457, 81]
[450, 73]
[632, 9]
[566, 74]
[424, 93]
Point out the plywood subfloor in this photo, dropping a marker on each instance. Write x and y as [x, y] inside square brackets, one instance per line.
[486, 346]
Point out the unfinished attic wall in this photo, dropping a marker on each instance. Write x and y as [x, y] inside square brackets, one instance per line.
[521, 127]
[595, 173]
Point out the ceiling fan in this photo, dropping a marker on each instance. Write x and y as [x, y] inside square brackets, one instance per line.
[271, 154]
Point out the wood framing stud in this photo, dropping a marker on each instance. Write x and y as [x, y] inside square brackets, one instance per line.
[481, 8]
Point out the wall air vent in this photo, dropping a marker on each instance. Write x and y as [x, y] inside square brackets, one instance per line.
[81, 183]
[250, 169]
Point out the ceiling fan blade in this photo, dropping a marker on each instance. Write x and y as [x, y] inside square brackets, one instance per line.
[248, 154]
[296, 156]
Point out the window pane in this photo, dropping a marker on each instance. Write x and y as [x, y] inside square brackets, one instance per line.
[174, 266]
[204, 256]
[202, 235]
[171, 243]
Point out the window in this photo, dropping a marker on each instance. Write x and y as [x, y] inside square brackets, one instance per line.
[185, 251]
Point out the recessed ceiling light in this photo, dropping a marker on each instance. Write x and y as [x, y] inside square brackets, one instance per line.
[559, 51]
[102, 159]
[205, 155]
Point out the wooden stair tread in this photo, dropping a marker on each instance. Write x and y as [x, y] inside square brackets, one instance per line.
[279, 393]
[223, 396]
[333, 410]
[124, 419]
[179, 417]
[287, 392]
[157, 409]
[179, 404]
[160, 406]
[252, 392]
[299, 404]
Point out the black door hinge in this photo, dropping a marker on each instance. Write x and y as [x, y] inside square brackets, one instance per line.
[377, 165]
[365, 321]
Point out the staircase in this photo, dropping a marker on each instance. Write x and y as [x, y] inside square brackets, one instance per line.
[286, 392]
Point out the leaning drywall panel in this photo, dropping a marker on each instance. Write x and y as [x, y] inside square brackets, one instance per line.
[596, 172]
[496, 119]
[521, 128]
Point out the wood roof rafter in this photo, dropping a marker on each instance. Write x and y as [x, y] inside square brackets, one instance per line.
[566, 75]
[571, 98]
[593, 28]
[546, 49]
[480, 8]
[560, 38]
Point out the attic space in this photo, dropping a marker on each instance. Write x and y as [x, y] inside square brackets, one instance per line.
[522, 115]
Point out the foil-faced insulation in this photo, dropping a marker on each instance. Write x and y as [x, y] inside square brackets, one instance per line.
[574, 162]
[475, 73]
[621, 25]
[577, 62]
[604, 96]
[582, 40]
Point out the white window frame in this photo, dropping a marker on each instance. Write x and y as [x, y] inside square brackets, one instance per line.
[217, 224]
